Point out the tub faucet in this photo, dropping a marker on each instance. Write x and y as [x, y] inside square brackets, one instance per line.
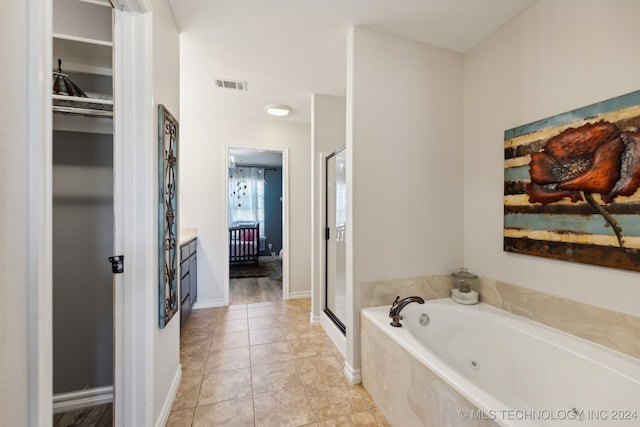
[398, 305]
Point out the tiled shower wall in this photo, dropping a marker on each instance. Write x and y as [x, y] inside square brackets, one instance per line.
[609, 328]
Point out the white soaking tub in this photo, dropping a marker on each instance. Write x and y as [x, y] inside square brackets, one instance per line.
[516, 372]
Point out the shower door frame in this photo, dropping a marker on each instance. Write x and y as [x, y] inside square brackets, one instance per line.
[339, 323]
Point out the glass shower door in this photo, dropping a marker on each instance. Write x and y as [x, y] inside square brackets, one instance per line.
[335, 238]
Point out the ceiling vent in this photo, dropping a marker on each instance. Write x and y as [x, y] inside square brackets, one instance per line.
[231, 84]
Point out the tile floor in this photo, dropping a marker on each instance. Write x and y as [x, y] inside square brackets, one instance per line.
[263, 364]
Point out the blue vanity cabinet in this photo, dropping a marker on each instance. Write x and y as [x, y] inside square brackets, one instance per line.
[188, 278]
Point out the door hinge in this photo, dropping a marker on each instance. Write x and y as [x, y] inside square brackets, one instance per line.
[117, 263]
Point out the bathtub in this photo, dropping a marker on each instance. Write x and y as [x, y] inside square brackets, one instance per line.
[512, 371]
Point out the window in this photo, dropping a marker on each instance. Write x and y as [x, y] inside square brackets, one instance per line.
[246, 196]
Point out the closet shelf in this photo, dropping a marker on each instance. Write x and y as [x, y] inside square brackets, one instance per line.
[82, 106]
[79, 39]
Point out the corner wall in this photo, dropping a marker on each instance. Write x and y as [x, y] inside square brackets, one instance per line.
[166, 90]
[404, 160]
[554, 57]
[14, 188]
[203, 194]
[328, 122]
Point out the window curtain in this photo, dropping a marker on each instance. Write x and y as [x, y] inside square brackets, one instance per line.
[246, 196]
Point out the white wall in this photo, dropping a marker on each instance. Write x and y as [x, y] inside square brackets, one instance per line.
[13, 213]
[404, 154]
[166, 90]
[328, 133]
[554, 57]
[203, 192]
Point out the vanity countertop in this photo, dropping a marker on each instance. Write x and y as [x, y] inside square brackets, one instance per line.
[188, 233]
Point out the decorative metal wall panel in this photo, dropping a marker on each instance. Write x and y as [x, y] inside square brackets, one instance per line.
[571, 185]
[167, 214]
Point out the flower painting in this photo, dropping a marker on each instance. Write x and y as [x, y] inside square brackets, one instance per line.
[571, 185]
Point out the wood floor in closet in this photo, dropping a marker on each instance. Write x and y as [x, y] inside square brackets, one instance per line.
[95, 416]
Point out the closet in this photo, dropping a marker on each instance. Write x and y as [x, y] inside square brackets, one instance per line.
[83, 214]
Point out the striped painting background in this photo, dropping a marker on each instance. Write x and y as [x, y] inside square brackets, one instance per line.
[565, 230]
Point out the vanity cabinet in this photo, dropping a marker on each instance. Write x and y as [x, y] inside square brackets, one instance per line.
[188, 278]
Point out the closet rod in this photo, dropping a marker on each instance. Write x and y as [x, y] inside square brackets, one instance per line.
[82, 111]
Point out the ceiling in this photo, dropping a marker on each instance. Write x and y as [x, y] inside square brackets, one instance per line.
[255, 157]
[288, 50]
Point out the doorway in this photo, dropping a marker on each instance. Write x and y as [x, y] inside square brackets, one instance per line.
[83, 210]
[336, 238]
[256, 224]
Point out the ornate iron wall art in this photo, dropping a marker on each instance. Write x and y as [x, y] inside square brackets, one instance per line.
[167, 214]
[572, 185]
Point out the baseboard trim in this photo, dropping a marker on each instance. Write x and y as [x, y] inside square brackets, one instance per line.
[64, 402]
[168, 403]
[335, 335]
[353, 375]
[211, 303]
[314, 320]
[299, 295]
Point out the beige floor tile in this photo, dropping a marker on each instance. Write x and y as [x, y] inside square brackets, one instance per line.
[187, 395]
[193, 364]
[264, 336]
[194, 348]
[258, 357]
[366, 396]
[226, 360]
[314, 345]
[320, 369]
[226, 385]
[230, 340]
[301, 330]
[274, 376]
[334, 400]
[381, 418]
[195, 325]
[288, 310]
[232, 315]
[197, 335]
[236, 307]
[265, 304]
[270, 353]
[180, 418]
[266, 322]
[292, 314]
[261, 311]
[228, 326]
[231, 413]
[204, 314]
[336, 352]
[287, 407]
[358, 419]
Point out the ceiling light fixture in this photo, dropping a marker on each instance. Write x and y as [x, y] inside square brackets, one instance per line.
[277, 110]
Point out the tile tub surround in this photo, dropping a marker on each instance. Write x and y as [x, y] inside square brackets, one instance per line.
[613, 329]
[409, 393]
[263, 364]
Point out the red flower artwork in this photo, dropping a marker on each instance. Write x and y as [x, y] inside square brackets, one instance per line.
[593, 158]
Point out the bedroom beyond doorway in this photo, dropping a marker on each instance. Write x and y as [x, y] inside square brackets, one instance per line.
[255, 220]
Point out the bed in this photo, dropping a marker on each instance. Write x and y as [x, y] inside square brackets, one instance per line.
[244, 243]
